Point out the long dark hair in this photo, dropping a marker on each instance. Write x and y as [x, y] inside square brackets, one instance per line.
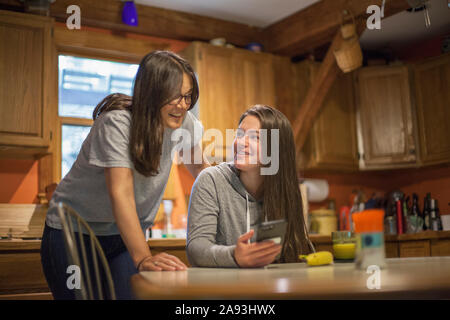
[158, 81]
[280, 191]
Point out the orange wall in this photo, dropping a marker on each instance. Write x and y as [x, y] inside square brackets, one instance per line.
[343, 184]
[18, 181]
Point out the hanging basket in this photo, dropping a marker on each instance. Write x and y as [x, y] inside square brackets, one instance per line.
[348, 29]
[349, 56]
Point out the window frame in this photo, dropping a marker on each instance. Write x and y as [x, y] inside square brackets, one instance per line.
[87, 46]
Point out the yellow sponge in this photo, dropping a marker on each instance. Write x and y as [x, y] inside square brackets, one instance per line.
[318, 258]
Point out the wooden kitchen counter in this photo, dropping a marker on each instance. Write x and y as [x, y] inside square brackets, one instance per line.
[404, 278]
[22, 276]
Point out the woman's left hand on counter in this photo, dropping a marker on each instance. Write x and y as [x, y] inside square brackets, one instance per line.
[162, 262]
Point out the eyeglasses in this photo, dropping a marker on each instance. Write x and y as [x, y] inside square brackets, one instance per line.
[252, 134]
[187, 100]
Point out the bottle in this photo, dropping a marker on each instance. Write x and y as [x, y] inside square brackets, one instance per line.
[438, 214]
[426, 212]
[168, 206]
[406, 212]
[435, 219]
[416, 215]
[415, 206]
[399, 214]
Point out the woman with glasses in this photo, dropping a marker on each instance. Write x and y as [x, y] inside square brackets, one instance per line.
[118, 179]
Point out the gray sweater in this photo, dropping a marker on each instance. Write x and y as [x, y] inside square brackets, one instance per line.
[220, 211]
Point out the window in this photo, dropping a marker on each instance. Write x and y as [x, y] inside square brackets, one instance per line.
[82, 84]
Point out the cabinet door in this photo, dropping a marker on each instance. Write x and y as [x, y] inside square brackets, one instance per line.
[24, 79]
[432, 86]
[254, 79]
[217, 79]
[385, 117]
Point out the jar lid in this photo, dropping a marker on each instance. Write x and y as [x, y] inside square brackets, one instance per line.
[324, 212]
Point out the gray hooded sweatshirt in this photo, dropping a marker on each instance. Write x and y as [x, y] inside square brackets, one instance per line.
[220, 211]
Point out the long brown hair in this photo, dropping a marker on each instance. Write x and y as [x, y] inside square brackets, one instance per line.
[158, 81]
[281, 193]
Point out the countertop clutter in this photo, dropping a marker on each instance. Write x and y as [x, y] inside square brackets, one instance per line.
[402, 213]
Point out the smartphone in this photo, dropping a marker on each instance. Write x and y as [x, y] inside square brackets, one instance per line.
[271, 230]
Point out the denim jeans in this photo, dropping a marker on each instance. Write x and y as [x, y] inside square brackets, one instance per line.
[55, 262]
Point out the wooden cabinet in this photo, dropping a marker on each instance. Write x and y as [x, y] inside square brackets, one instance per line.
[231, 81]
[332, 140]
[432, 93]
[385, 119]
[254, 78]
[21, 270]
[25, 60]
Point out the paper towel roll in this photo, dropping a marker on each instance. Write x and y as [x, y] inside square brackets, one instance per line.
[317, 189]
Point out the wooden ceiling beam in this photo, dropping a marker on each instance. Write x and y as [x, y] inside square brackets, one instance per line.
[157, 22]
[316, 25]
[326, 75]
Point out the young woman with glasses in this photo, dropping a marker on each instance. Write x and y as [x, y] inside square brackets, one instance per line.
[118, 179]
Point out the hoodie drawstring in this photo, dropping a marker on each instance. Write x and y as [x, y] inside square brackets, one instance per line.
[248, 214]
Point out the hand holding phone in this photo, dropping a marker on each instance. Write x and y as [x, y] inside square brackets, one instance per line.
[256, 254]
[271, 230]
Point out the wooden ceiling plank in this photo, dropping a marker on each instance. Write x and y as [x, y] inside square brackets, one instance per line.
[157, 22]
